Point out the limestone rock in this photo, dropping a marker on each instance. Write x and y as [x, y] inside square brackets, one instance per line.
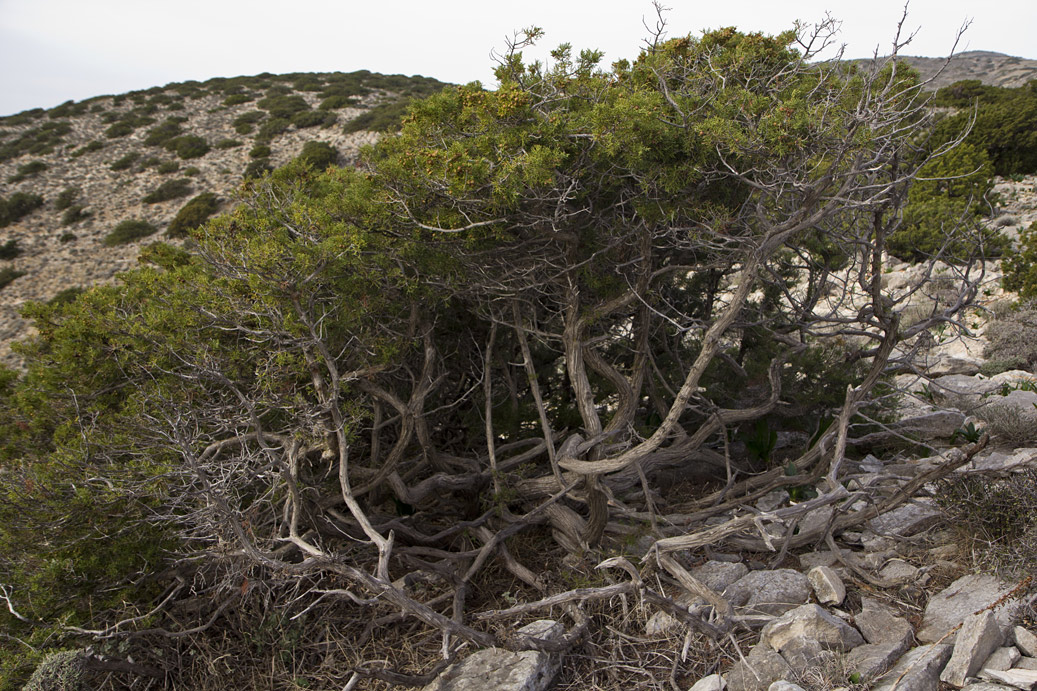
[1025, 641]
[769, 592]
[899, 572]
[1026, 663]
[504, 670]
[986, 686]
[918, 670]
[719, 574]
[714, 682]
[1002, 659]
[907, 519]
[1019, 678]
[961, 598]
[827, 585]
[813, 623]
[761, 668]
[978, 637]
[874, 659]
[878, 624]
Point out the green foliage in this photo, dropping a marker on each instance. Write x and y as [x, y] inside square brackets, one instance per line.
[170, 189]
[125, 162]
[283, 105]
[18, 206]
[167, 167]
[28, 170]
[257, 168]
[67, 109]
[60, 671]
[66, 198]
[238, 99]
[74, 214]
[128, 231]
[318, 155]
[224, 144]
[9, 274]
[943, 213]
[87, 148]
[387, 117]
[193, 214]
[188, 146]
[245, 123]
[271, 128]
[259, 151]
[163, 132]
[37, 140]
[66, 238]
[121, 128]
[313, 118]
[10, 249]
[338, 101]
[1020, 265]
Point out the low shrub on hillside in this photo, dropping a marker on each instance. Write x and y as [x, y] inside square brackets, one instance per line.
[87, 148]
[271, 128]
[170, 189]
[238, 99]
[337, 101]
[74, 214]
[127, 231]
[66, 198]
[193, 214]
[1020, 264]
[28, 170]
[191, 171]
[67, 109]
[246, 122]
[9, 274]
[163, 132]
[10, 249]
[167, 167]
[188, 146]
[227, 144]
[283, 106]
[387, 117]
[259, 151]
[126, 162]
[318, 155]
[258, 168]
[1012, 340]
[38, 140]
[17, 206]
[314, 118]
[119, 129]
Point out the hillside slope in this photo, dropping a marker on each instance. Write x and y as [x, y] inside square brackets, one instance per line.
[104, 156]
[993, 69]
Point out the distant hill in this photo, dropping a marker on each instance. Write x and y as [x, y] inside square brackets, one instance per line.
[993, 69]
[75, 172]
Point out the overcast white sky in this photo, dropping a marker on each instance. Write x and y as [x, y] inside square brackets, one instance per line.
[55, 50]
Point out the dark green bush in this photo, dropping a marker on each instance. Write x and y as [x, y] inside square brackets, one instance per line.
[258, 168]
[162, 133]
[67, 109]
[259, 151]
[38, 140]
[193, 214]
[283, 106]
[309, 82]
[22, 118]
[125, 162]
[17, 206]
[119, 129]
[387, 117]
[10, 249]
[150, 162]
[245, 123]
[227, 144]
[313, 118]
[271, 128]
[318, 155]
[66, 198]
[336, 102]
[66, 237]
[87, 148]
[167, 167]
[127, 231]
[28, 170]
[191, 171]
[188, 146]
[74, 214]
[66, 296]
[7, 275]
[1020, 265]
[238, 99]
[170, 189]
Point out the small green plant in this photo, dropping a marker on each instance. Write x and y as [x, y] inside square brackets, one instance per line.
[87, 148]
[238, 99]
[66, 237]
[128, 231]
[258, 168]
[313, 118]
[260, 151]
[10, 249]
[163, 132]
[193, 214]
[126, 162]
[968, 432]
[17, 206]
[7, 275]
[188, 146]
[66, 198]
[283, 105]
[318, 155]
[28, 170]
[170, 189]
[167, 167]
[74, 214]
[246, 122]
[227, 144]
[192, 171]
[271, 128]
